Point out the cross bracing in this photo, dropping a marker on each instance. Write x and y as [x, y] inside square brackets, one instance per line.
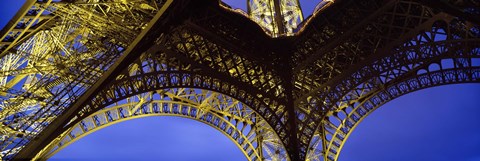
[280, 87]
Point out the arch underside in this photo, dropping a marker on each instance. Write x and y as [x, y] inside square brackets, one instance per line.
[336, 128]
[154, 71]
[250, 132]
[343, 66]
[168, 65]
[377, 45]
[50, 48]
[446, 52]
[157, 71]
[188, 57]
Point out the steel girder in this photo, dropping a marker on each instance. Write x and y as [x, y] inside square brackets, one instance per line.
[312, 89]
[277, 17]
[251, 133]
[76, 48]
[430, 59]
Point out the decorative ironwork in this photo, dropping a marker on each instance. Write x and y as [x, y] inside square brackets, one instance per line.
[281, 89]
[277, 17]
[251, 133]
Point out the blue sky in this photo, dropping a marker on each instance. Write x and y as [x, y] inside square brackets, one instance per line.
[436, 124]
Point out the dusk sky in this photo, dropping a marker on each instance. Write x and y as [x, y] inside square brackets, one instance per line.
[436, 124]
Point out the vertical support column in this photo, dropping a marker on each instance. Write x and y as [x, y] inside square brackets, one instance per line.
[283, 64]
[293, 147]
[277, 17]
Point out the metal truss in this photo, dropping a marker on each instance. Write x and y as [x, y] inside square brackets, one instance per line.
[251, 133]
[276, 17]
[437, 49]
[49, 59]
[282, 91]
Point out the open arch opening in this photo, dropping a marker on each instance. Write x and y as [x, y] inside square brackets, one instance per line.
[440, 123]
[429, 69]
[153, 138]
[242, 125]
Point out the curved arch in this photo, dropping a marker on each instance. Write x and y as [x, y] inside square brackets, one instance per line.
[95, 123]
[350, 117]
[464, 70]
[252, 134]
[417, 64]
[422, 113]
[150, 74]
[408, 46]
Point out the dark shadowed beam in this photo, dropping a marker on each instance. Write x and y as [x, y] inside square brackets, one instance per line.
[245, 39]
[387, 51]
[382, 51]
[338, 40]
[139, 45]
[251, 42]
[245, 36]
[296, 150]
[453, 10]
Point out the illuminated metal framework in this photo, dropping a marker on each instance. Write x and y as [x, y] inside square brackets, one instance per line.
[280, 88]
[277, 17]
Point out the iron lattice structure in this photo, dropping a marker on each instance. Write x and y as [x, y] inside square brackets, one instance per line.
[280, 87]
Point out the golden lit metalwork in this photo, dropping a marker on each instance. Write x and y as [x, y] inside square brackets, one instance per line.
[287, 90]
[48, 46]
[277, 17]
[251, 133]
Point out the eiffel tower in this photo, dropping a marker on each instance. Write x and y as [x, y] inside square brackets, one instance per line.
[280, 86]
